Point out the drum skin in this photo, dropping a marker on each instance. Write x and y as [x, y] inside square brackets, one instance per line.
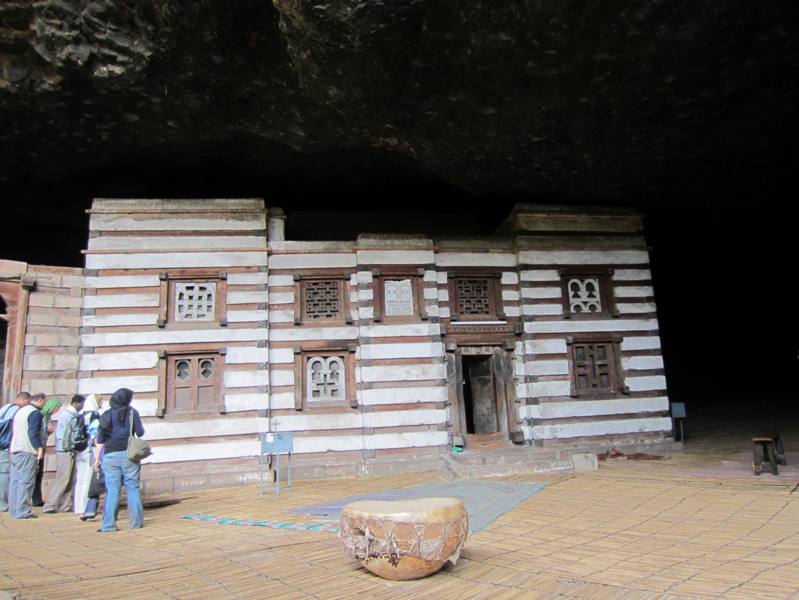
[404, 539]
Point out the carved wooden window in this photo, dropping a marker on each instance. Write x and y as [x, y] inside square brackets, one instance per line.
[321, 298]
[193, 298]
[587, 294]
[324, 378]
[398, 295]
[193, 383]
[475, 297]
[595, 366]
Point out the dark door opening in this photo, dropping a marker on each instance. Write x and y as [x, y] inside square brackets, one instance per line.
[479, 395]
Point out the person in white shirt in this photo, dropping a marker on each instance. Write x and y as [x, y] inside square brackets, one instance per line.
[60, 497]
[85, 458]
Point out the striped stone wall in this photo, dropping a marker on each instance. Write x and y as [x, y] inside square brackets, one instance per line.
[52, 332]
[553, 415]
[136, 248]
[398, 415]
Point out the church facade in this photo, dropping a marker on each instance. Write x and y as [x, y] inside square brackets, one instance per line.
[379, 354]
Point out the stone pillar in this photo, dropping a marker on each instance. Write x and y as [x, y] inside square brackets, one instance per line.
[277, 225]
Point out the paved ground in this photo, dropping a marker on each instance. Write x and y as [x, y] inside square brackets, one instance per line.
[633, 529]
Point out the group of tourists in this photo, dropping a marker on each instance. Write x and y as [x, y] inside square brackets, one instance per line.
[91, 456]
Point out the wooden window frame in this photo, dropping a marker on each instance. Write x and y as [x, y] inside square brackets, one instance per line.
[345, 289]
[301, 356]
[606, 299]
[616, 375]
[166, 309]
[164, 356]
[416, 276]
[495, 294]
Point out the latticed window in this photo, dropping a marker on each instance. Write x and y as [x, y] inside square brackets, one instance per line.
[584, 295]
[474, 297]
[325, 379]
[195, 301]
[595, 368]
[322, 299]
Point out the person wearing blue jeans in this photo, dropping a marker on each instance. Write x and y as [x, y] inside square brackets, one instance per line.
[26, 450]
[118, 469]
[112, 443]
[7, 414]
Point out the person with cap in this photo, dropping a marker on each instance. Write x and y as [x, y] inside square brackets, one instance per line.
[116, 427]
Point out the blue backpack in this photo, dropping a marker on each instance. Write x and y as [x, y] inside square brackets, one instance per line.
[7, 424]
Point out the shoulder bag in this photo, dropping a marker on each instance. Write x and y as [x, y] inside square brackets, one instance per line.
[138, 449]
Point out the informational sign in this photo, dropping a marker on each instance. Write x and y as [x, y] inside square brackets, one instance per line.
[398, 297]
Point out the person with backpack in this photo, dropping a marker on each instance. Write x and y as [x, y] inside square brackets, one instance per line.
[27, 448]
[6, 429]
[117, 426]
[70, 437]
[85, 458]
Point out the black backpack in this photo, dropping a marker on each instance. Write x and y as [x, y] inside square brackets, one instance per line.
[75, 438]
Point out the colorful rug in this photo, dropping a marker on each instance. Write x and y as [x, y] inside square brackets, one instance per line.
[485, 501]
[328, 527]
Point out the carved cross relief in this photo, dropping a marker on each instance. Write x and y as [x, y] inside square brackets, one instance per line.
[325, 379]
[584, 295]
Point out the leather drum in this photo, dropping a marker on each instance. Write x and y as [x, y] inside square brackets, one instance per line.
[404, 539]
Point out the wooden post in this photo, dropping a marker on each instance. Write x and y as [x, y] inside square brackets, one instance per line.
[27, 282]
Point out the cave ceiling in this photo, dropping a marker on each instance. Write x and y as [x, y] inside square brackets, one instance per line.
[625, 102]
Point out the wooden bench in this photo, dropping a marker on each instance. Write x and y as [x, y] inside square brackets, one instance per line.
[767, 447]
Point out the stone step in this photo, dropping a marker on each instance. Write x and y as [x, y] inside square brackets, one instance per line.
[476, 472]
[472, 464]
[487, 441]
[453, 470]
[489, 445]
[512, 455]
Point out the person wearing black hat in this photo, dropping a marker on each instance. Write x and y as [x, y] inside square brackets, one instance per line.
[115, 428]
